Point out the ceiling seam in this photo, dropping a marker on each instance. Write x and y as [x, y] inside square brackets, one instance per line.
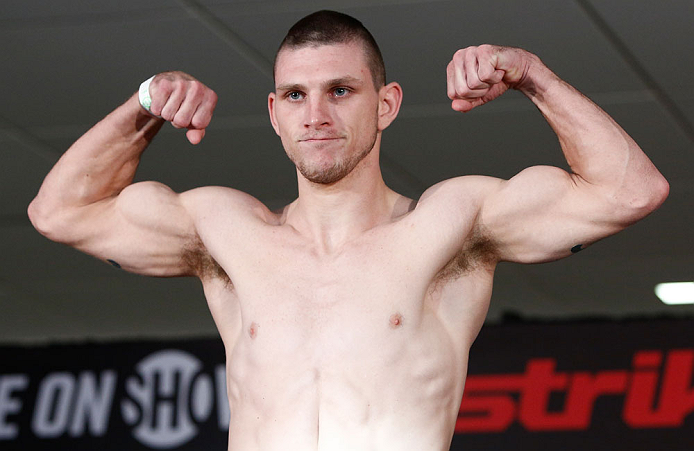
[145, 15]
[406, 177]
[29, 141]
[307, 6]
[632, 61]
[229, 36]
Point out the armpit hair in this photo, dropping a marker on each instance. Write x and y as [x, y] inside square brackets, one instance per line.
[477, 251]
[201, 263]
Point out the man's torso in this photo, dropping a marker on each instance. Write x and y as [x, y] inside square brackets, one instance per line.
[363, 348]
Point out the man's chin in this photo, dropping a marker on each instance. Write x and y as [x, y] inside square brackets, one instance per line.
[327, 177]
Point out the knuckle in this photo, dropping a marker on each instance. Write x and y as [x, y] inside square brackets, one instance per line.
[179, 122]
[459, 56]
[450, 69]
[199, 122]
[164, 84]
[487, 76]
[209, 102]
[179, 86]
[461, 91]
[167, 114]
[195, 89]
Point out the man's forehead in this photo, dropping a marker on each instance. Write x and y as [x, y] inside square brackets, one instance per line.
[352, 46]
[349, 57]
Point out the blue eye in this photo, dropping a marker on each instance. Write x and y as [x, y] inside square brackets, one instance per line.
[294, 95]
[340, 92]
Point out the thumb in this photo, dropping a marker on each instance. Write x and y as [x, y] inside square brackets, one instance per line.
[195, 136]
[463, 105]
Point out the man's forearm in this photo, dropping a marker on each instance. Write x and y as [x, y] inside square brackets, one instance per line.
[598, 150]
[100, 163]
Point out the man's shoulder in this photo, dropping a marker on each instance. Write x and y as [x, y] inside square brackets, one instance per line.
[226, 222]
[466, 192]
[215, 203]
[444, 229]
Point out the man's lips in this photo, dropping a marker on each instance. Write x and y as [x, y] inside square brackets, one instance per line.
[319, 138]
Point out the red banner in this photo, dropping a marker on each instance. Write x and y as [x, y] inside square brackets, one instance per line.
[598, 386]
[587, 385]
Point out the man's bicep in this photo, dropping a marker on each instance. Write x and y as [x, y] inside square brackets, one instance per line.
[145, 230]
[544, 214]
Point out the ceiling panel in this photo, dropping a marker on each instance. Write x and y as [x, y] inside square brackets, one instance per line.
[659, 35]
[69, 63]
[76, 75]
[20, 13]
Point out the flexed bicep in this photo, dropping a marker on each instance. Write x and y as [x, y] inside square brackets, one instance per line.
[145, 229]
[545, 213]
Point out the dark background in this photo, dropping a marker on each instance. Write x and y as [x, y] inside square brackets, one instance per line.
[67, 64]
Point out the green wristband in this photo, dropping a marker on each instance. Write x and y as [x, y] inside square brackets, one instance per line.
[143, 94]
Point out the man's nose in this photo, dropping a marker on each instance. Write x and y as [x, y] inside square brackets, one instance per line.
[317, 113]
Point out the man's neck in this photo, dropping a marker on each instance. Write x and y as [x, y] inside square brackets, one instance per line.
[331, 215]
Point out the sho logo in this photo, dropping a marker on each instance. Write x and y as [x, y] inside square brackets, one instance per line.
[166, 399]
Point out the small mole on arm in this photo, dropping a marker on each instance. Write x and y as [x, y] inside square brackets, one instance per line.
[577, 248]
[395, 320]
[114, 263]
[253, 330]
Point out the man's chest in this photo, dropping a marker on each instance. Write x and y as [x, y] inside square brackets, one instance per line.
[290, 296]
[375, 288]
[324, 289]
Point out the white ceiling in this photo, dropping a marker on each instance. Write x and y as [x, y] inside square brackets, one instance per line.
[66, 64]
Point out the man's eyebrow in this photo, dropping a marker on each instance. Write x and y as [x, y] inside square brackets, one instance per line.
[290, 87]
[346, 80]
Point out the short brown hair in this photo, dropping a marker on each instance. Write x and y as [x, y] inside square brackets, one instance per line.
[331, 27]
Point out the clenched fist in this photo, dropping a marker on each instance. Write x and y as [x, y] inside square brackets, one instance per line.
[477, 75]
[184, 101]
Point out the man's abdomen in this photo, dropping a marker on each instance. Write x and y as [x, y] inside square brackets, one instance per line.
[391, 381]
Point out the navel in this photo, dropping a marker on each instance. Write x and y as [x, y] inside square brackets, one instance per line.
[253, 330]
[395, 320]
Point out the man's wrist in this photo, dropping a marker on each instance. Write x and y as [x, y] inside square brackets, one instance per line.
[537, 79]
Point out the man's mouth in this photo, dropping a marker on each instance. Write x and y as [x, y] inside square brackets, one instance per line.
[318, 138]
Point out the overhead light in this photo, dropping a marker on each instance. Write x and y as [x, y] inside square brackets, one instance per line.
[675, 293]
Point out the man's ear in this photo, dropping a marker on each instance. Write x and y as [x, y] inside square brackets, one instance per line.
[271, 110]
[389, 100]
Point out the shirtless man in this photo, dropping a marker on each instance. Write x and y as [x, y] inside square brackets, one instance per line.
[347, 316]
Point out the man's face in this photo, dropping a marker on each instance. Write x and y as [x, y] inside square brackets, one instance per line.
[325, 109]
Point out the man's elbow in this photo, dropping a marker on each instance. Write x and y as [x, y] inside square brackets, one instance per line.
[648, 198]
[662, 191]
[46, 221]
[38, 217]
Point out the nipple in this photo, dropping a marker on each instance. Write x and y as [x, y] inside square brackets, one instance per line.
[253, 330]
[395, 320]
